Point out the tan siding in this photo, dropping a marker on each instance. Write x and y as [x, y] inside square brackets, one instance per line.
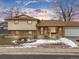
[22, 25]
[22, 33]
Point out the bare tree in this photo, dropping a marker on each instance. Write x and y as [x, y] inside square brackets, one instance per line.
[13, 12]
[66, 9]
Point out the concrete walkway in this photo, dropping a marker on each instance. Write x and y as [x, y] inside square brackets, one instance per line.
[38, 51]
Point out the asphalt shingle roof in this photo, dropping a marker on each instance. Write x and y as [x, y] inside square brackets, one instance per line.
[57, 23]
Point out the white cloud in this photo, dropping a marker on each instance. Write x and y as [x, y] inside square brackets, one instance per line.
[29, 2]
[25, 3]
[18, 1]
[52, 0]
[47, 0]
[39, 13]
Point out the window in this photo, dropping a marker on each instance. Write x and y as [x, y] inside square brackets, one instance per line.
[17, 32]
[60, 29]
[29, 22]
[30, 32]
[41, 30]
[45, 30]
[53, 29]
[16, 22]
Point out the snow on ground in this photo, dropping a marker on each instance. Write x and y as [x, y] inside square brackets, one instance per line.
[68, 42]
[40, 42]
[45, 41]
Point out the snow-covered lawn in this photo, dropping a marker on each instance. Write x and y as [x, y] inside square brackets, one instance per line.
[45, 41]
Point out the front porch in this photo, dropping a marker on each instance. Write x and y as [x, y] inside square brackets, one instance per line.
[51, 32]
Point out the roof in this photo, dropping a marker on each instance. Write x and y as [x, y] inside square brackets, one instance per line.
[57, 23]
[22, 17]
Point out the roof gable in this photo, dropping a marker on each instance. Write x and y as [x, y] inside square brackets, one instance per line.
[22, 17]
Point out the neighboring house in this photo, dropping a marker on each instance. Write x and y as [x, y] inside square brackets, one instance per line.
[3, 28]
[26, 26]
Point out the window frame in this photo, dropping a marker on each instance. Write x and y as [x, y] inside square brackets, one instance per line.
[41, 30]
[29, 22]
[55, 30]
[30, 32]
[16, 32]
[16, 21]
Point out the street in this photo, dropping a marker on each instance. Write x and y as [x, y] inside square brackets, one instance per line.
[38, 57]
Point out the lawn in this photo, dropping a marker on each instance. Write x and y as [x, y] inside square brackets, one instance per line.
[5, 41]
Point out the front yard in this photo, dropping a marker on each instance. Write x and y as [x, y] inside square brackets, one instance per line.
[5, 41]
[44, 43]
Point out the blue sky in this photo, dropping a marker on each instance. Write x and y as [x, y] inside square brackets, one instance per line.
[26, 4]
[29, 5]
[35, 4]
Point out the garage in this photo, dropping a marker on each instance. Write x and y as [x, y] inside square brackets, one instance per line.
[71, 31]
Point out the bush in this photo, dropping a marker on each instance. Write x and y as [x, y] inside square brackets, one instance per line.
[46, 37]
[35, 37]
[40, 37]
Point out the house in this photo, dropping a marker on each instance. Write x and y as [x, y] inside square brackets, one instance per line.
[22, 26]
[3, 29]
[26, 26]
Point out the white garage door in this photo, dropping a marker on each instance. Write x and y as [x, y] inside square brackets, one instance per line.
[71, 31]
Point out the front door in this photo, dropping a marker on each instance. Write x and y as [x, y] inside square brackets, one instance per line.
[53, 32]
